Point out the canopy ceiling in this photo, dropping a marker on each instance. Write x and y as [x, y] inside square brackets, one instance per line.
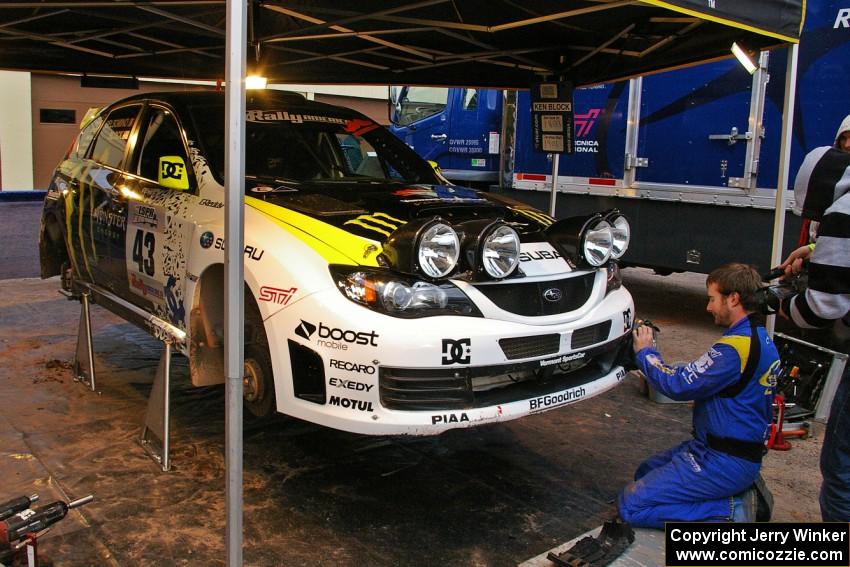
[500, 43]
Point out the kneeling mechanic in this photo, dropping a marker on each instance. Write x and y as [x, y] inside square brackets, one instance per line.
[732, 385]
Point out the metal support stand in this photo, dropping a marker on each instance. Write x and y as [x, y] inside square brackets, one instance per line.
[156, 431]
[84, 359]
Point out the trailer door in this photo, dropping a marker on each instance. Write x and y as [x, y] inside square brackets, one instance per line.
[696, 127]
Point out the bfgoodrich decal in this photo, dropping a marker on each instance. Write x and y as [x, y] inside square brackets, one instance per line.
[557, 399]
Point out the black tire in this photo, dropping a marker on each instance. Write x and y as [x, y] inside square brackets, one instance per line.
[258, 382]
[257, 377]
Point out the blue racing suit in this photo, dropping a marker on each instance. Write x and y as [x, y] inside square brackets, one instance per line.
[696, 480]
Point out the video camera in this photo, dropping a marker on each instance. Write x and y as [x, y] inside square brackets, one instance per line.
[770, 297]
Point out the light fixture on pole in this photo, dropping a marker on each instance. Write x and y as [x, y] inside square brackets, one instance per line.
[744, 58]
[255, 82]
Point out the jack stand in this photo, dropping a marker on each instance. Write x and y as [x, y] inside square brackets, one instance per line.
[156, 431]
[84, 358]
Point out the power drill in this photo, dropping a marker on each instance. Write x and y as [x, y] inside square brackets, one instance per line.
[19, 522]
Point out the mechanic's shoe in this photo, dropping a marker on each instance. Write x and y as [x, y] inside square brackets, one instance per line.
[745, 506]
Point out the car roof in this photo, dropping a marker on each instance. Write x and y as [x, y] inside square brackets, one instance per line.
[267, 99]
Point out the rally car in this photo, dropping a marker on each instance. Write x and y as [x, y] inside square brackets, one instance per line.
[379, 298]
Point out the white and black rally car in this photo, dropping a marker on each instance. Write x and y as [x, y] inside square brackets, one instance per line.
[380, 299]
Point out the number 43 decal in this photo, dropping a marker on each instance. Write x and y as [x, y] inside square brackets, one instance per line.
[143, 247]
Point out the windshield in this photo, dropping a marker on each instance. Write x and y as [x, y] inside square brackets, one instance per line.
[294, 147]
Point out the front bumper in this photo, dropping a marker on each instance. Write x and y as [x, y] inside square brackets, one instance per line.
[346, 367]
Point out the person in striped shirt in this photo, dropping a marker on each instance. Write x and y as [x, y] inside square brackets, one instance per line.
[826, 302]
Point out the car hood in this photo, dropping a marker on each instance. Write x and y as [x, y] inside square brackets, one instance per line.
[374, 211]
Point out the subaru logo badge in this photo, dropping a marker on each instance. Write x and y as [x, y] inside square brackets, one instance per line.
[553, 294]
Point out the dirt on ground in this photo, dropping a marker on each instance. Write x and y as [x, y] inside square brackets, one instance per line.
[493, 495]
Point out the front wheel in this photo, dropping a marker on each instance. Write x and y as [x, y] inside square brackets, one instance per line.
[258, 382]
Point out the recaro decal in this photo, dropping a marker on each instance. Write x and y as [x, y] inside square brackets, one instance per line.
[276, 294]
[379, 222]
[457, 351]
[211, 203]
[352, 366]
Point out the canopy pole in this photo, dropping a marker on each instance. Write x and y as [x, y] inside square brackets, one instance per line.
[234, 308]
[784, 159]
[553, 197]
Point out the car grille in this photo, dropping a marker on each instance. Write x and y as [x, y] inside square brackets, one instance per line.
[527, 298]
[423, 389]
[593, 334]
[526, 347]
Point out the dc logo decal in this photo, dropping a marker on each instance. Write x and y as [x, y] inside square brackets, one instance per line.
[457, 351]
[207, 239]
[305, 329]
[627, 320]
[171, 170]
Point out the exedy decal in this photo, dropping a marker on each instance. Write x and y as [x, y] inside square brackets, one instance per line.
[350, 385]
[379, 222]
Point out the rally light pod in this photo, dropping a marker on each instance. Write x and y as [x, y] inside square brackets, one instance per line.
[491, 248]
[428, 247]
[582, 239]
[621, 233]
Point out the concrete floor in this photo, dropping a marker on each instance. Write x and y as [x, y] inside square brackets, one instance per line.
[496, 495]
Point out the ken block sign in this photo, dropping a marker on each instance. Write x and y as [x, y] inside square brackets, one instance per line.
[552, 117]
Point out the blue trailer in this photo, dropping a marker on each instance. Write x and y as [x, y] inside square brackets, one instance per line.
[691, 156]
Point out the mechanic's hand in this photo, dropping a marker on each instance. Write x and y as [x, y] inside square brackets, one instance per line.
[642, 338]
[793, 264]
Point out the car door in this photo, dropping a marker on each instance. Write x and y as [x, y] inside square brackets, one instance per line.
[161, 195]
[97, 218]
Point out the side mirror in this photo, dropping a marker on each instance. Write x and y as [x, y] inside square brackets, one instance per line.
[172, 173]
[394, 98]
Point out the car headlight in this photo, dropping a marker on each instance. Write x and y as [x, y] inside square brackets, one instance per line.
[500, 251]
[401, 296]
[621, 233]
[438, 250]
[597, 243]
